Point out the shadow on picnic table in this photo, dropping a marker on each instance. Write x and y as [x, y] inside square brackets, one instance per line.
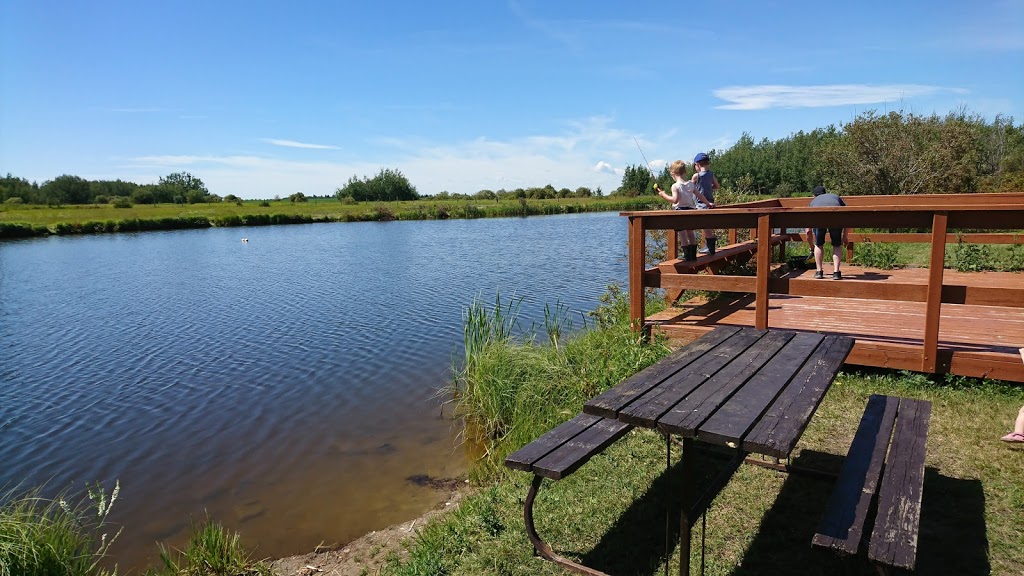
[952, 537]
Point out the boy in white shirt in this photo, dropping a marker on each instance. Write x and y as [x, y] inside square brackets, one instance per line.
[684, 197]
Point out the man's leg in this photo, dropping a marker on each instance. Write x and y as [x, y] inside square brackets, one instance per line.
[819, 253]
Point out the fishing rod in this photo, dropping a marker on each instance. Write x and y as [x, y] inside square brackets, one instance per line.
[646, 163]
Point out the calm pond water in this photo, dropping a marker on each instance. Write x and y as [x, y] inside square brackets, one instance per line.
[287, 385]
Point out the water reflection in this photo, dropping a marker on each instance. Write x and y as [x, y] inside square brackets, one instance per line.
[286, 385]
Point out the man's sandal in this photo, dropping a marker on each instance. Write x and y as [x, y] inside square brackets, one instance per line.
[1013, 437]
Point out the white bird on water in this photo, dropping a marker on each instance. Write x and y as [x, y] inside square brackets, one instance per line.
[245, 240]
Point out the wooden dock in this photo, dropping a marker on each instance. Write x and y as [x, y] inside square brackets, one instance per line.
[931, 320]
[974, 340]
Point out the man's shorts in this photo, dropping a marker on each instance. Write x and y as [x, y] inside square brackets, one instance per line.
[834, 234]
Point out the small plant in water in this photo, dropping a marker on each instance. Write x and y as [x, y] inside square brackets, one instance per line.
[212, 550]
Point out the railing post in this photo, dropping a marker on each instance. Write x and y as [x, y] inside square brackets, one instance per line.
[671, 244]
[732, 236]
[933, 302]
[764, 257]
[637, 262]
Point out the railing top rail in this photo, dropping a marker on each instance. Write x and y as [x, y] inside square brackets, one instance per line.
[989, 217]
[759, 210]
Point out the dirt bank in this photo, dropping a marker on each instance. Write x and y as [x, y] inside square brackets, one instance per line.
[366, 555]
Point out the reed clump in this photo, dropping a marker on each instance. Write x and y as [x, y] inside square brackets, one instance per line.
[513, 386]
[212, 550]
[60, 536]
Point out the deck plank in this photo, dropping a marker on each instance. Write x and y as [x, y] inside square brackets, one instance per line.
[981, 341]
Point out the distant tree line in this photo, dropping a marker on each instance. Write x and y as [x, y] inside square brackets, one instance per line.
[894, 153]
[178, 188]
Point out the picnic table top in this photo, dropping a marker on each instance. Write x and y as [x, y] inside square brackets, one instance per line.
[745, 388]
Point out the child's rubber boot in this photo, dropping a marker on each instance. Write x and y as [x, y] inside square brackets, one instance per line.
[711, 245]
[689, 253]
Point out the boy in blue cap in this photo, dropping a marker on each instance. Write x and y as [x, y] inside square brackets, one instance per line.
[704, 180]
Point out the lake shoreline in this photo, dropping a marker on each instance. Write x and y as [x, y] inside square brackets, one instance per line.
[368, 553]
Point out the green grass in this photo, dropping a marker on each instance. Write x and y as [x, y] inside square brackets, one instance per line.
[611, 513]
[35, 220]
[58, 536]
[211, 550]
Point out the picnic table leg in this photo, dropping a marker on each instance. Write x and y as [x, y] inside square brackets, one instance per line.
[684, 520]
[539, 545]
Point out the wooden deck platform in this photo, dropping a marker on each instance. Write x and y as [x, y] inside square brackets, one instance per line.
[973, 339]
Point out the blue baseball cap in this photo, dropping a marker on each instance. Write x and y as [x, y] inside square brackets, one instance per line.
[818, 190]
[700, 157]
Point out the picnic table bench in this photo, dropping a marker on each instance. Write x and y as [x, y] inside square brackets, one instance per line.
[894, 537]
[744, 389]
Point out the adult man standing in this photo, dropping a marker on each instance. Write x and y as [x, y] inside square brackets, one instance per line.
[838, 236]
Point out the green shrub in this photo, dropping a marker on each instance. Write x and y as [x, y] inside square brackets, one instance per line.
[967, 257]
[14, 200]
[19, 230]
[265, 204]
[121, 202]
[53, 537]
[876, 255]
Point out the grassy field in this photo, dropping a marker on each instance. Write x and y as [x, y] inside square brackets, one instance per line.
[611, 513]
[33, 220]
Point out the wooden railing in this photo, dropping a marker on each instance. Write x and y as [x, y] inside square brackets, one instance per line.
[941, 215]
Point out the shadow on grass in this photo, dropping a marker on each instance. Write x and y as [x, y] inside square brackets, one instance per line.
[643, 537]
[952, 537]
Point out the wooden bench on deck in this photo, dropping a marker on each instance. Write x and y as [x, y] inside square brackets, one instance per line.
[733, 253]
[893, 540]
[557, 454]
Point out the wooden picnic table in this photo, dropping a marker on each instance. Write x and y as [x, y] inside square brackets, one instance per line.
[745, 389]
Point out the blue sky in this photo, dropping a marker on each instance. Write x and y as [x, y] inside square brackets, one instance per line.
[270, 98]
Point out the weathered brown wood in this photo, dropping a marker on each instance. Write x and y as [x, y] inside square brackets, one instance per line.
[747, 404]
[763, 263]
[894, 537]
[923, 238]
[776, 433]
[708, 282]
[637, 257]
[524, 458]
[570, 455]
[921, 200]
[691, 412]
[933, 301]
[676, 266]
[646, 410]
[609, 403]
[842, 525]
[978, 341]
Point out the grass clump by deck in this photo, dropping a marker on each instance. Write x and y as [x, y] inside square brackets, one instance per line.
[510, 387]
[212, 550]
[58, 536]
[611, 513]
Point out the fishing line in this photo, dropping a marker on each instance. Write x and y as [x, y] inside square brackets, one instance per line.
[646, 163]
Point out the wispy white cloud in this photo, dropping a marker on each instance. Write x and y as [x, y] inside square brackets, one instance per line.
[559, 33]
[137, 110]
[294, 144]
[776, 96]
[588, 152]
